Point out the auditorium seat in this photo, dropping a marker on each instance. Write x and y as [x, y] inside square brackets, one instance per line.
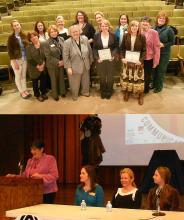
[181, 57]
[5, 63]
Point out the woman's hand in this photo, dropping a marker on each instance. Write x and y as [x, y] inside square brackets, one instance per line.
[37, 176]
[111, 59]
[60, 63]
[138, 63]
[124, 61]
[161, 45]
[16, 65]
[70, 71]
[10, 175]
[99, 61]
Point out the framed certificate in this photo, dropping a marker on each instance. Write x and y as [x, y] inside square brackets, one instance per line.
[132, 56]
[105, 54]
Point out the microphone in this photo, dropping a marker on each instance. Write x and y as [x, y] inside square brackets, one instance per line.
[20, 167]
[158, 212]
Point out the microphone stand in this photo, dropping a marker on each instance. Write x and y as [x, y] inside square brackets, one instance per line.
[20, 166]
[158, 212]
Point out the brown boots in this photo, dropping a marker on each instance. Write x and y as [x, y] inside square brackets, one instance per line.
[126, 96]
[140, 99]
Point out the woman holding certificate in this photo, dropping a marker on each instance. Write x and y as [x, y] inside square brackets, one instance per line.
[105, 48]
[133, 50]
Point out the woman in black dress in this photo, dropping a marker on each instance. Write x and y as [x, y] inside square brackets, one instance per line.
[128, 196]
[87, 29]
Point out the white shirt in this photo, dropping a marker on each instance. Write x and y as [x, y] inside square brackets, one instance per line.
[105, 41]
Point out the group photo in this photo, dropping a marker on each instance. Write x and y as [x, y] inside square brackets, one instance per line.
[94, 58]
[91, 109]
[80, 168]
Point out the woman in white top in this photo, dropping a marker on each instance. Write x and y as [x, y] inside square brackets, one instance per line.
[40, 28]
[60, 23]
[105, 39]
[128, 196]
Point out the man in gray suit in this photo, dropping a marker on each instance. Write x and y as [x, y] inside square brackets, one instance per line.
[78, 57]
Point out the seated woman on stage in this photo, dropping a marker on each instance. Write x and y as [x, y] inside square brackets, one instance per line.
[168, 195]
[89, 190]
[128, 196]
[42, 166]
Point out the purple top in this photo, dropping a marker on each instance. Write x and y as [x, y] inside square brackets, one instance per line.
[47, 167]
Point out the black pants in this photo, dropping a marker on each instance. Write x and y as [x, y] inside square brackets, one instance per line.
[37, 89]
[148, 71]
[49, 198]
[105, 71]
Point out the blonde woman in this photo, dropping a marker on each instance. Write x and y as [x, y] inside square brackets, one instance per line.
[128, 196]
[17, 43]
[99, 16]
[60, 23]
[105, 39]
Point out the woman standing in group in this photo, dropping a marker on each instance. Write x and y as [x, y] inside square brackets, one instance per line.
[99, 16]
[60, 23]
[41, 30]
[128, 196]
[152, 51]
[89, 190]
[123, 28]
[132, 78]
[87, 29]
[167, 39]
[168, 195]
[78, 57]
[105, 39]
[54, 62]
[16, 45]
[36, 66]
[42, 166]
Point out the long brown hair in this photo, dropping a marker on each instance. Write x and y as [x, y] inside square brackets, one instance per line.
[165, 174]
[84, 15]
[90, 170]
[23, 36]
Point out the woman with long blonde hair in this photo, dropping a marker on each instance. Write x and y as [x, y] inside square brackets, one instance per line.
[128, 196]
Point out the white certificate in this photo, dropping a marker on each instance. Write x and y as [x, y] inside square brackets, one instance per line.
[105, 54]
[132, 56]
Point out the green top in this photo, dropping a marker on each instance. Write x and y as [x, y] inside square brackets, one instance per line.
[94, 198]
[167, 37]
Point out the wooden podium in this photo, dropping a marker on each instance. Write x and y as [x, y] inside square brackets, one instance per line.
[19, 192]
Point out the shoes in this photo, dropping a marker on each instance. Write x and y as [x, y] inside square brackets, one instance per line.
[45, 97]
[108, 96]
[86, 95]
[157, 90]
[40, 98]
[103, 96]
[56, 99]
[126, 96]
[63, 95]
[25, 95]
